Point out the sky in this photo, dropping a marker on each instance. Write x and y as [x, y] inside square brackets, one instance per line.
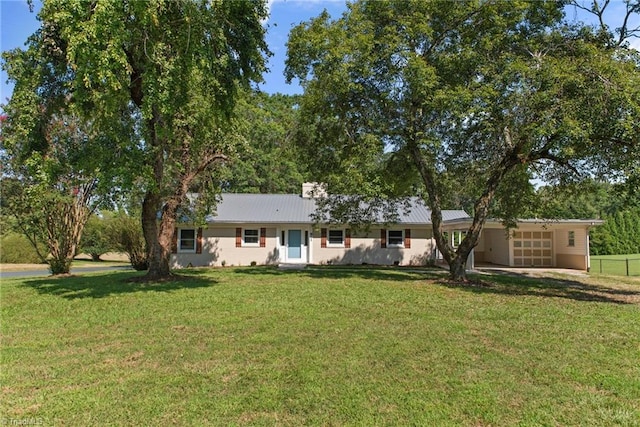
[17, 23]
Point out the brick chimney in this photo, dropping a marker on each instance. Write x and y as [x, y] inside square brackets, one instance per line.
[313, 190]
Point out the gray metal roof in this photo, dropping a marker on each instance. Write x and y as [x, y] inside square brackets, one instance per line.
[495, 221]
[293, 208]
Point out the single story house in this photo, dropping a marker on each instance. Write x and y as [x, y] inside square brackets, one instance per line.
[258, 229]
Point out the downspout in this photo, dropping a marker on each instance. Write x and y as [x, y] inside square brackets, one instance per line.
[587, 243]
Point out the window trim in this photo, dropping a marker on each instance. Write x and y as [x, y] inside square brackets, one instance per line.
[182, 250]
[395, 245]
[342, 238]
[571, 238]
[255, 244]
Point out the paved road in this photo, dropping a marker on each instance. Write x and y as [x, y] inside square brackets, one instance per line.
[45, 272]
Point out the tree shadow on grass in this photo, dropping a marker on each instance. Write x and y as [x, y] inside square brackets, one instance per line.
[104, 285]
[520, 284]
[372, 272]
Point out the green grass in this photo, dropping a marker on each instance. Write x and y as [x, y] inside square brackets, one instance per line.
[616, 264]
[323, 346]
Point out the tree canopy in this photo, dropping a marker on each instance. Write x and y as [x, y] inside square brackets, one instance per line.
[268, 160]
[426, 98]
[171, 70]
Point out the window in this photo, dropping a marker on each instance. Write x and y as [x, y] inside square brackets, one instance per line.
[336, 238]
[572, 238]
[187, 240]
[333, 238]
[395, 238]
[456, 238]
[251, 237]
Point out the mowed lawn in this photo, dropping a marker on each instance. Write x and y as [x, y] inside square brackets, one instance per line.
[322, 346]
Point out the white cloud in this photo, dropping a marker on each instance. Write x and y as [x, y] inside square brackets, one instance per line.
[268, 6]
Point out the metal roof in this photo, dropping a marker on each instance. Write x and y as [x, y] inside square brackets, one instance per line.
[293, 208]
[462, 221]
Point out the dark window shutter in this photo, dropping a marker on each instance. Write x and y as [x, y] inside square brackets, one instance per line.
[347, 238]
[263, 237]
[407, 238]
[174, 241]
[323, 237]
[199, 241]
[383, 238]
[238, 237]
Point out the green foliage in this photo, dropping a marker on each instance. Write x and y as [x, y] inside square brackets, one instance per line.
[60, 165]
[95, 240]
[620, 234]
[589, 199]
[15, 248]
[268, 162]
[124, 234]
[476, 99]
[59, 265]
[158, 82]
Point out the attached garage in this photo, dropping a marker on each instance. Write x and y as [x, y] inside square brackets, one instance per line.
[533, 243]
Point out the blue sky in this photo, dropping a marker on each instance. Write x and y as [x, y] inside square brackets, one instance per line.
[17, 23]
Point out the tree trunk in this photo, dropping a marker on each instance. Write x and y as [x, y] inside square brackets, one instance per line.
[156, 258]
[158, 253]
[159, 234]
[457, 259]
[457, 268]
[65, 222]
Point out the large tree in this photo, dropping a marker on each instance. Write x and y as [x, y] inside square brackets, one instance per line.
[178, 65]
[268, 161]
[58, 165]
[429, 97]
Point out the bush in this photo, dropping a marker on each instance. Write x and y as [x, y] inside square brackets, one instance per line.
[95, 239]
[59, 266]
[125, 235]
[16, 249]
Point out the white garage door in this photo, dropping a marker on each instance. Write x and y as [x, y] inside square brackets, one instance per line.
[532, 248]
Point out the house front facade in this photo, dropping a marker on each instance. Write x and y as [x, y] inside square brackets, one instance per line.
[265, 229]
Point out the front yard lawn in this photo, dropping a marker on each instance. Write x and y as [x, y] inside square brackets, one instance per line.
[321, 346]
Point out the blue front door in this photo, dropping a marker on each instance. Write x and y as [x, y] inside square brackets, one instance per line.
[294, 246]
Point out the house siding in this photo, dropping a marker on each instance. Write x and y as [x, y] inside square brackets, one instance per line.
[366, 249]
[495, 247]
[219, 248]
[574, 257]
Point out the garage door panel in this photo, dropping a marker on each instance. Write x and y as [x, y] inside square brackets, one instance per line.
[533, 248]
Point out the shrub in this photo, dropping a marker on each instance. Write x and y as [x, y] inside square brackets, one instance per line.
[16, 249]
[59, 266]
[95, 239]
[125, 235]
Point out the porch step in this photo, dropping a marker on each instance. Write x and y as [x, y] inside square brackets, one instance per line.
[286, 266]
